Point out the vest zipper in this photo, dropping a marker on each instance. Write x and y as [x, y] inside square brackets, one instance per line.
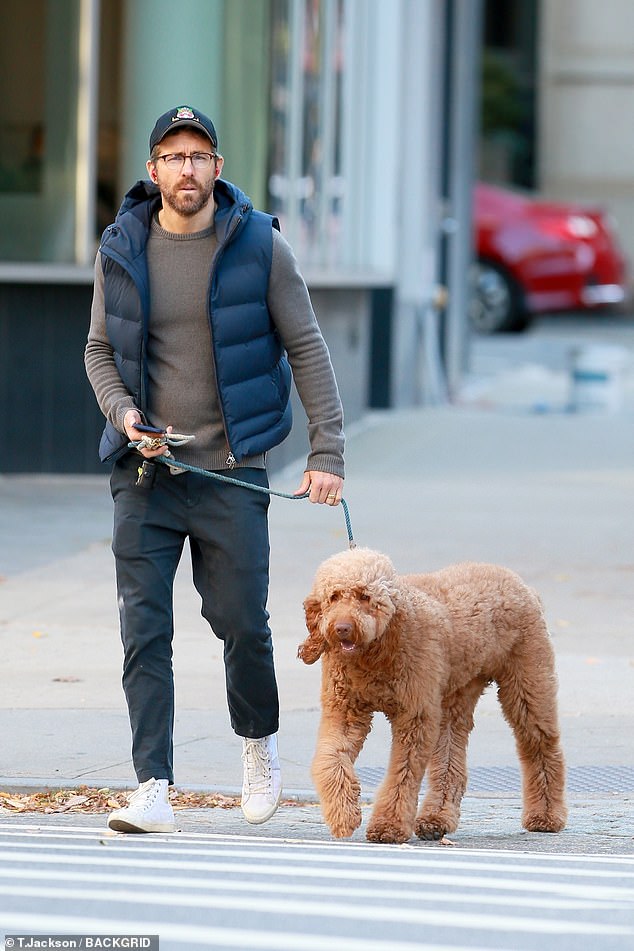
[231, 461]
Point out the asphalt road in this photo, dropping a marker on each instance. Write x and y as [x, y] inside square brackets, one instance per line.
[533, 370]
[234, 892]
[285, 885]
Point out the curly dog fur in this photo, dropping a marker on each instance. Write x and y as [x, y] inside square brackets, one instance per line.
[422, 649]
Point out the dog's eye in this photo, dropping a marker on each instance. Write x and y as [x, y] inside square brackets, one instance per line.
[364, 597]
[334, 596]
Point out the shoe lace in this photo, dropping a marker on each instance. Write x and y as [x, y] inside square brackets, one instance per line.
[257, 761]
[144, 796]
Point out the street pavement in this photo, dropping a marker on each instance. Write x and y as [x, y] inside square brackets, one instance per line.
[233, 892]
[509, 473]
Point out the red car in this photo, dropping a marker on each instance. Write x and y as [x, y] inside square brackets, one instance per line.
[535, 257]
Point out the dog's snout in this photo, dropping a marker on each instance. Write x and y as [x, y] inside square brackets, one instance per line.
[343, 629]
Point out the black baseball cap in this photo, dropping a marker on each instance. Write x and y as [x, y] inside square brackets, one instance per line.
[180, 117]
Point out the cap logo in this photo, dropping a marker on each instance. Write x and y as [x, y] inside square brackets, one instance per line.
[184, 113]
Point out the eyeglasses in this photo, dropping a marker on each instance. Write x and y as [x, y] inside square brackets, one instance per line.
[176, 160]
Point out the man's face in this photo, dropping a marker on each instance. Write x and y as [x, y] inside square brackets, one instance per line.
[187, 189]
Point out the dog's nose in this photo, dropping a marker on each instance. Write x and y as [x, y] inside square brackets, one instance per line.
[343, 630]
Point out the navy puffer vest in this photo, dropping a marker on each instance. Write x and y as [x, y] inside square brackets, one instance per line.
[253, 374]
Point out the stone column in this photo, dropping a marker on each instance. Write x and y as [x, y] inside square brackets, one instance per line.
[586, 91]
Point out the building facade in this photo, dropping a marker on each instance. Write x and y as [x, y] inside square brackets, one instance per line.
[354, 121]
[328, 116]
[585, 92]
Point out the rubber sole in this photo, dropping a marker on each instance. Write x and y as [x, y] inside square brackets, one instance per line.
[120, 825]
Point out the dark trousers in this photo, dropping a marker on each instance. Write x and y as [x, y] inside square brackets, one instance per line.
[227, 528]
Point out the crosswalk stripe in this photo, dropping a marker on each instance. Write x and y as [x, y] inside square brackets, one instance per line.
[310, 871]
[580, 900]
[306, 895]
[214, 937]
[527, 863]
[345, 851]
[400, 853]
[364, 912]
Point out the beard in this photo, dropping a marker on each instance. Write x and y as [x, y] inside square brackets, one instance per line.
[190, 202]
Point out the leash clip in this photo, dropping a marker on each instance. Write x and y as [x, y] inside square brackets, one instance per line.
[166, 439]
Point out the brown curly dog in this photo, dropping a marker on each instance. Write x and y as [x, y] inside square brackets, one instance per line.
[422, 649]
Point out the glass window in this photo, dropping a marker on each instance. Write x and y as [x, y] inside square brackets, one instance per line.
[38, 129]
[306, 188]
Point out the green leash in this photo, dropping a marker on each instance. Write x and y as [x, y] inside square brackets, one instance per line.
[170, 461]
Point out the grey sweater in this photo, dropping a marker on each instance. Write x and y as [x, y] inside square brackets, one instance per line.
[182, 384]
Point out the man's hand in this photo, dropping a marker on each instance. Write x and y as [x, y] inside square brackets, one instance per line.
[131, 418]
[323, 487]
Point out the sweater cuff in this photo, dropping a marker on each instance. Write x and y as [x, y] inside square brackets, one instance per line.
[320, 462]
[120, 416]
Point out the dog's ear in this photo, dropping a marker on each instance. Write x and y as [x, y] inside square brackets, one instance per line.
[315, 644]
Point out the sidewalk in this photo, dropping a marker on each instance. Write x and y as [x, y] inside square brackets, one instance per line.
[547, 495]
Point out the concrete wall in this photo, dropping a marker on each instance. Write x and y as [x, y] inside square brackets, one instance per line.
[586, 92]
[50, 419]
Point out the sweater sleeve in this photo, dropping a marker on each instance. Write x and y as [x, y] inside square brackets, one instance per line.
[112, 396]
[292, 311]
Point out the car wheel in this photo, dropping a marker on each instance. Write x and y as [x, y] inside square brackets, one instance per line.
[495, 301]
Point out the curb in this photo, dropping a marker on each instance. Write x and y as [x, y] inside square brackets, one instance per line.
[16, 784]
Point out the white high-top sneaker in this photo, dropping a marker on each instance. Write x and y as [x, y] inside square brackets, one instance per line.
[148, 810]
[262, 785]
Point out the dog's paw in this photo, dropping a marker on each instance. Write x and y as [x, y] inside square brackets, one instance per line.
[387, 832]
[548, 822]
[430, 829]
[342, 825]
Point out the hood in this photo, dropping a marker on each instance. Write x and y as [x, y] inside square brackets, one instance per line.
[144, 198]
[142, 193]
[142, 202]
[231, 203]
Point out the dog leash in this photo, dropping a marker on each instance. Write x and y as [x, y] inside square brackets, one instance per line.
[170, 461]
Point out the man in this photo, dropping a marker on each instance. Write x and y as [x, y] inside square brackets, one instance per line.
[197, 303]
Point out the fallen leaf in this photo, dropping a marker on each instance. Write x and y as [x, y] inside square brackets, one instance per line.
[12, 802]
[94, 801]
[73, 801]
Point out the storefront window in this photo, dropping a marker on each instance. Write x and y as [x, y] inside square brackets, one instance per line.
[306, 187]
[38, 130]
